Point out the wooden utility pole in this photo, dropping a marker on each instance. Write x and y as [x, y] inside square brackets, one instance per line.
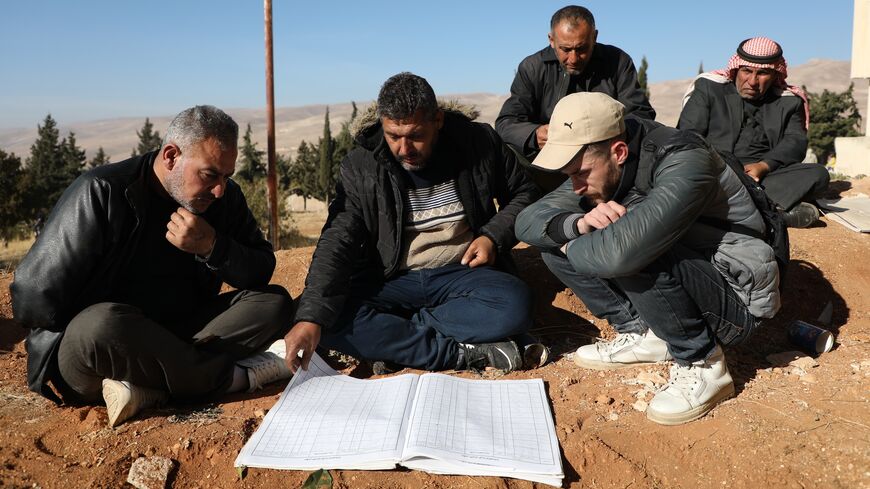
[271, 180]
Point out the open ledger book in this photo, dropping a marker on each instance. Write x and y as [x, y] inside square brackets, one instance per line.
[431, 422]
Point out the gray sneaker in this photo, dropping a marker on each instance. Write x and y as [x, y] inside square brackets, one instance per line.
[124, 400]
[802, 215]
[266, 367]
[626, 350]
[503, 355]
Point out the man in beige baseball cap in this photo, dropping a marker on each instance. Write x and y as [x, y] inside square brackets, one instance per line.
[639, 234]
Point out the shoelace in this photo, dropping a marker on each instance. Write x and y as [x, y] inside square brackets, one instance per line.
[620, 340]
[683, 378]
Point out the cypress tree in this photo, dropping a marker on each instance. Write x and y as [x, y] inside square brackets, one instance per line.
[641, 76]
[326, 148]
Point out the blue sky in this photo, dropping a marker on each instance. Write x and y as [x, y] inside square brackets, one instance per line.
[94, 59]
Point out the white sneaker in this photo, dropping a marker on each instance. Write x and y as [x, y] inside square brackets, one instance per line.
[266, 367]
[692, 391]
[124, 400]
[626, 350]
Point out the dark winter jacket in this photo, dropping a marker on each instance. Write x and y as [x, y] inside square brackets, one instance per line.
[90, 237]
[666, 202]
[364, 230]
[541, 81]
[715, 111]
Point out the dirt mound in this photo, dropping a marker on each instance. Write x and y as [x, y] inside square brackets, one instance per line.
[787, 426]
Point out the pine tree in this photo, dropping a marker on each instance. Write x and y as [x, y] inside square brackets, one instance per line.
[46, 175]
[832, 115]
[251, 165]
[149, 140]
[343, 143]
[73, 157]
[326, 148]
[11, 209]
[641, 76]
[304, 178]
[284, 171]
[701, 68]
[100, 159]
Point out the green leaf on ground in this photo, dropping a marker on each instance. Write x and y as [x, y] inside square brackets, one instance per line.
[319, 479]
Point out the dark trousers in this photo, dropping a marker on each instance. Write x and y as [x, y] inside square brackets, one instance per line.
[193, 359]
[681, 296]
[799, 182]
[417, 318]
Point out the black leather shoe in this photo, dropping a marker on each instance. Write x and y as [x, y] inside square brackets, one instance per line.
[802, 215]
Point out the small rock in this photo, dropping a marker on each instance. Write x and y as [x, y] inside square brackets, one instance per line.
[185, 444]
[95, 419]
[640, 405]
[777, 370]
[804, 362]
[783, 358]
[260, 413]
[210, 453]
[612, 416]
[175, 449]
[809, 378]
[798, 371]
[150, 473]
[604, 399]
[653, 377]
[641, 394]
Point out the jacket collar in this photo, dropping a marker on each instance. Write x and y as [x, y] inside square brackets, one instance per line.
[634, 132]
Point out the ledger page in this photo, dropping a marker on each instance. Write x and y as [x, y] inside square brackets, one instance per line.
[332, 421]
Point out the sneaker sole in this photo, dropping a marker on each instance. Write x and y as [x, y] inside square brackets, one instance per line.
[599, 365]
[670, 419]
[113, 395]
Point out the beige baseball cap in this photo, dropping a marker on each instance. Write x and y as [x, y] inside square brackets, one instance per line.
[579, 119]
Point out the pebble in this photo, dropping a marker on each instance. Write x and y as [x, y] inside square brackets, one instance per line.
[783, 358]
[612, 416]
[804, 362]
[260, 413]
[809, 378]
[603, 399]
[653, 377]
[150, 473]
[640, 405]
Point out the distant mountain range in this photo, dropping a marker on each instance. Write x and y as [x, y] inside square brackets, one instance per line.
[294, 124]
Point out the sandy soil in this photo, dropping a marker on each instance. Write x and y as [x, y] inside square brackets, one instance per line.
[785, 428]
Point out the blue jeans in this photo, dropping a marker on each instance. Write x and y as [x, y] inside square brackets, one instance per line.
[681, 296]
[417, 318]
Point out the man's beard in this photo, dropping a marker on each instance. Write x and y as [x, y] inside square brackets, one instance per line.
[175, 188]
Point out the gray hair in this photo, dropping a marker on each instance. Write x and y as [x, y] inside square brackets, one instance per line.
[196, 124]
[402, 95]
[572, 14]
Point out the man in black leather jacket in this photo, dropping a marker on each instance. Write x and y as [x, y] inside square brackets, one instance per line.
[644, 234]
[409, 266]
[573, 62]
[121, 289]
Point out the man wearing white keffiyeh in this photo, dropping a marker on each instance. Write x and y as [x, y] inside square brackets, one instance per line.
[749, 109]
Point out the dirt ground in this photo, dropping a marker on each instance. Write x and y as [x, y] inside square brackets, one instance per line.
[787, 427]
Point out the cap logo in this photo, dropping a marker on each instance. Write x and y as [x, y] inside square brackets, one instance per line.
[568, 125]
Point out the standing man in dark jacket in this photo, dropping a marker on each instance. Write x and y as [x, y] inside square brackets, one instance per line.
[644, 234]
[121, 289]
[407, 267]
[573, 62]
[749, 110]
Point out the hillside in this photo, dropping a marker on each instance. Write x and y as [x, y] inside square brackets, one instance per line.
[294, 124]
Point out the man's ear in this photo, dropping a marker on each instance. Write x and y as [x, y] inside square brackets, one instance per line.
[439, 119]
[170, 154]
[619, 149]
[595, 36]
